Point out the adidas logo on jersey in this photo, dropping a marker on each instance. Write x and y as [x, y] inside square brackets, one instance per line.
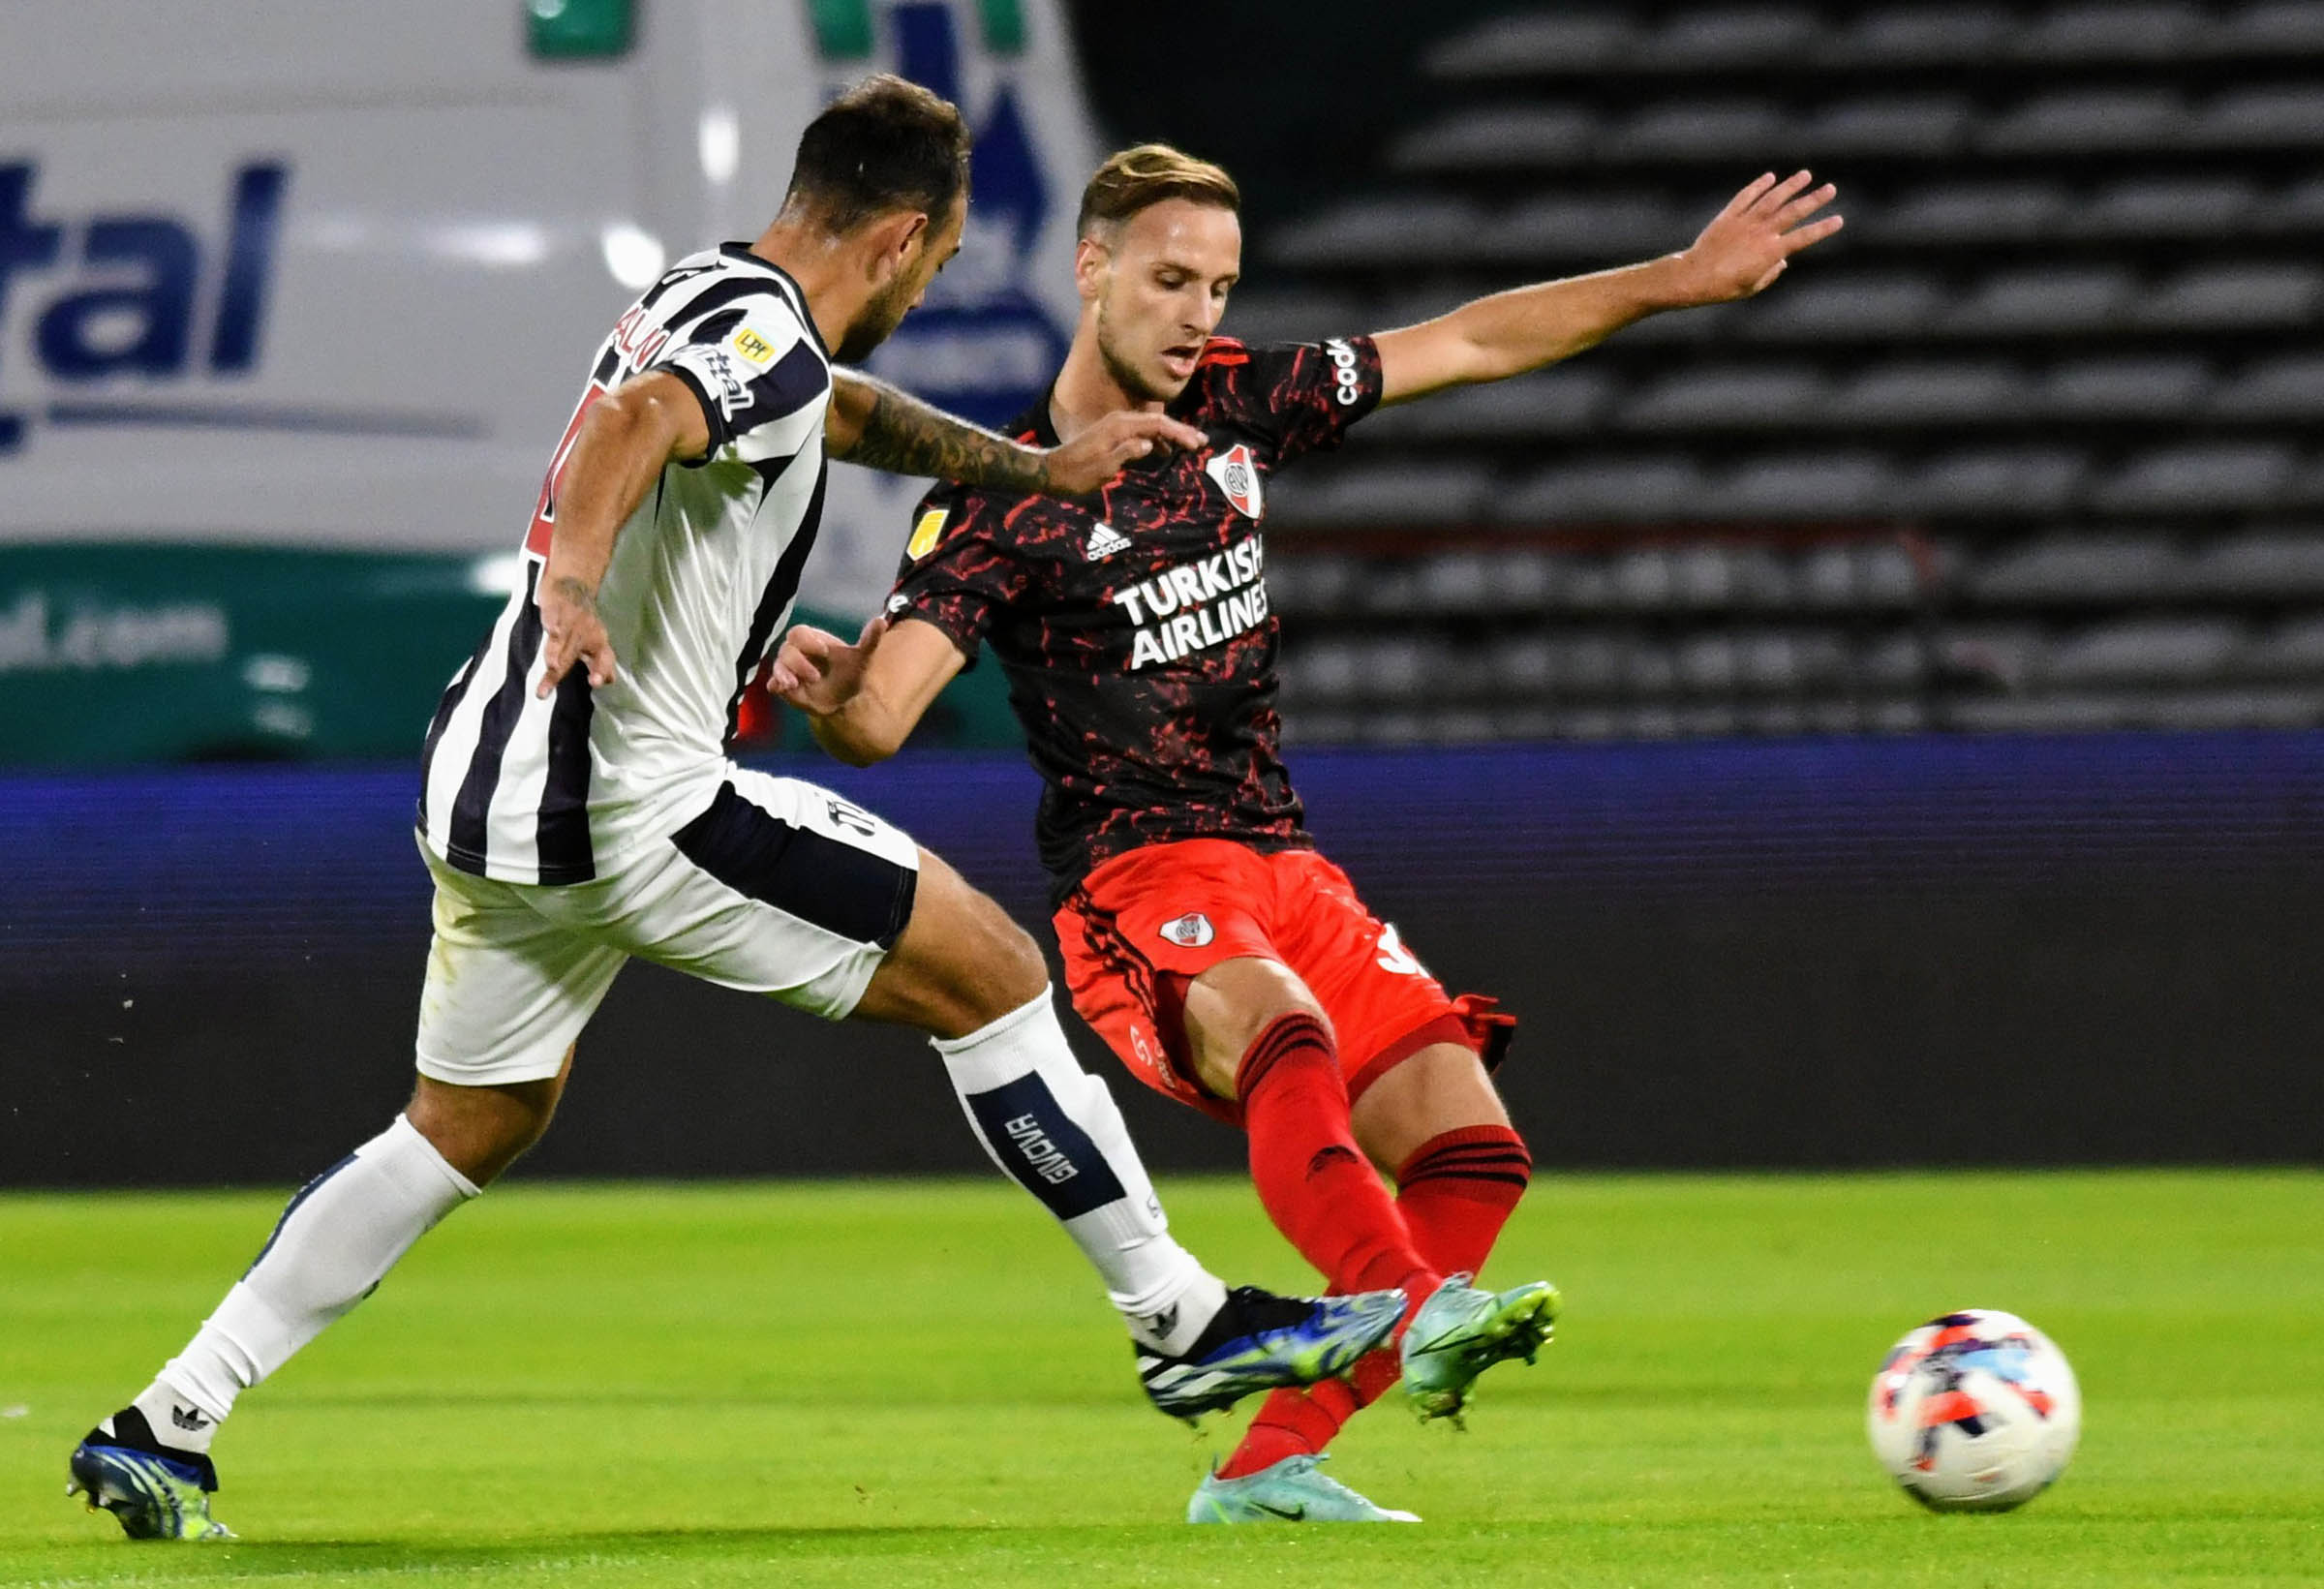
[1104, 541]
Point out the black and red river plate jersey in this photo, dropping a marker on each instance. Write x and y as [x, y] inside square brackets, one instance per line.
[1134, 628]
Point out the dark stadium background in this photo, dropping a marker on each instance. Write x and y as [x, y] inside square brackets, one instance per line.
[1880, 724]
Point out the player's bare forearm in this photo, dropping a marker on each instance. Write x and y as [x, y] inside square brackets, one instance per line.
[1526, 327]
[625, 440]
[863, 701]
[870, 422]
[873, 424]
[1745, 247]
[845, 736]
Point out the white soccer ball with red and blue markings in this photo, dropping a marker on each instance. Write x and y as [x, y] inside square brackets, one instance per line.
[1975, 1411]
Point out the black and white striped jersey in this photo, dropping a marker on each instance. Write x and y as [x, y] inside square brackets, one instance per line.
[702, 579]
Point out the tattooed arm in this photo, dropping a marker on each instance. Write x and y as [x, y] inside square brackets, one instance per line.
[873, 424]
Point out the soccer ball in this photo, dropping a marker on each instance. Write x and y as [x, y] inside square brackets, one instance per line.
[1975, 1412]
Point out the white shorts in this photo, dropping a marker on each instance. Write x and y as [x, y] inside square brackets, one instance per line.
[779, 888]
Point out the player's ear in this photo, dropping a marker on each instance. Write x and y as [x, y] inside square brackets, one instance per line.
[896, 240]
[1091, 260]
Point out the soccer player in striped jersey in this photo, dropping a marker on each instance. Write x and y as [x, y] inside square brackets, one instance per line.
[579, 809]
[1226, 962]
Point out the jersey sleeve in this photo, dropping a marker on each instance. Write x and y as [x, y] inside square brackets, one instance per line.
[1302, 394]
[960, 569]
[757, 375]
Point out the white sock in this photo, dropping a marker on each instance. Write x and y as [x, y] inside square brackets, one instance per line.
[338, 1236]
[1054, 1128]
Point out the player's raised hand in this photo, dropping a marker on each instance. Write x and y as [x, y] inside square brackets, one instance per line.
[1747, 244]
[818, 672]
[1092, 458]
[572, 632]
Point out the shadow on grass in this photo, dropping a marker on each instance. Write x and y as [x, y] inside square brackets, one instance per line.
[286, 1558]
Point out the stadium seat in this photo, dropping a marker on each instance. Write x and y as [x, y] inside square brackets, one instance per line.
[1524, 665]
[2166, 206]
[1498, 138]
[1895, 660]
[2151, 385]
[1654, 578]
[1563, 226]
[1701, 128]
[2292, 648]
[2288, 387]
[1829, 485]
[2224, 296]
[2020, 479]
[1923, 34]
[1921, 125]
[2004, 655]
[1562, 400]
[1263, 316]
[2079, 569]
[1324, 584]
[2089, 121]
[1864, 304]
[2306, 487]
[1395, 493]
[1973, 212]
[2299, 207]
[2272, 28]
[1386, 232]
[1663, 486]
[2261, 563]
[1752, 395]
[1541, 42]
[1402, 669]
[2114, 30]
[2044, 299]
[2201, 475]
[1931, 393]
[1732, 37]
[2146, 651]
[2077, 714]
[2274, 116]
[1324, 670]
[1866, 576]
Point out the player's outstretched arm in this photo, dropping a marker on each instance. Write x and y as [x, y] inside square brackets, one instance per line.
[1745, 247]
[626, 440]
[872, 423]
[863, 701]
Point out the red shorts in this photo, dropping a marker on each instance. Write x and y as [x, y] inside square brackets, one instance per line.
[1141, 926]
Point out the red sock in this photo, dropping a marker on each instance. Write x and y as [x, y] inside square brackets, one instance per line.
[1457, 1191]
[1313, 1181]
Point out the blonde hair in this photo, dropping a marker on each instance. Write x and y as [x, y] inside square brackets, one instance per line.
[1146, 175]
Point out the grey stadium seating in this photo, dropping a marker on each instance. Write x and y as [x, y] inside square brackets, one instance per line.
[2032, 445]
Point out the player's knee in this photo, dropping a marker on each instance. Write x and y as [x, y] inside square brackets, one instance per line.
[481, 1130]
[1013, 973]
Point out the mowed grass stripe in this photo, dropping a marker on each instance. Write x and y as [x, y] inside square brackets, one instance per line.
[814, 1383]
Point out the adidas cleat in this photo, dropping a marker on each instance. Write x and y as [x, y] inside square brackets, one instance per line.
[1260, 1341]
[1461, 1331]
[153, 1493]
[1289, 1492]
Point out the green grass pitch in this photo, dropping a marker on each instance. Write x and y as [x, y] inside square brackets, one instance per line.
[918, 1383]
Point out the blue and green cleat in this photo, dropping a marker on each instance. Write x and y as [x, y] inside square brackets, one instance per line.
[153, 1491]
[1260, 1341]
[1461, 1331]
[1288, 1492]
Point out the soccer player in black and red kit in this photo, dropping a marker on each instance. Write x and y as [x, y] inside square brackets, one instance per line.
[1224, 961]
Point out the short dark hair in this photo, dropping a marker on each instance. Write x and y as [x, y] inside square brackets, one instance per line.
[1146, 175]
[884, 146]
